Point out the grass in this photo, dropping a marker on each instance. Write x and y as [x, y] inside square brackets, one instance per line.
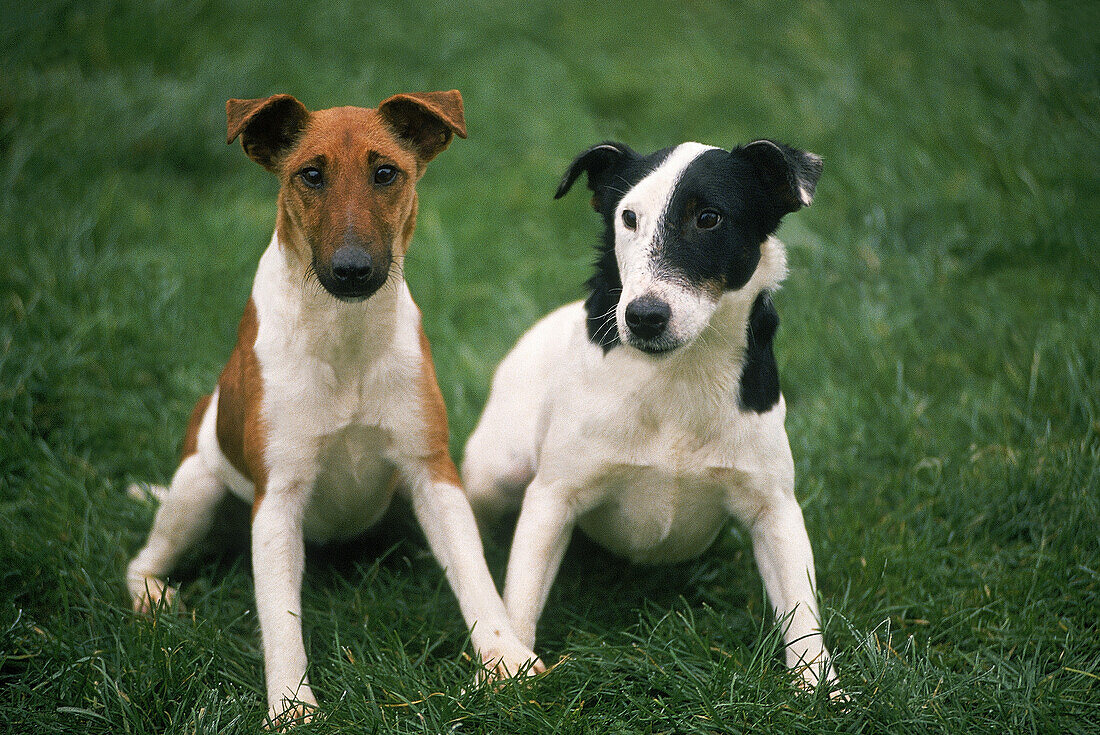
[939, 354]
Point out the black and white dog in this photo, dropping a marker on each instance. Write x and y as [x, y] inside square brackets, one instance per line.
[651, 412]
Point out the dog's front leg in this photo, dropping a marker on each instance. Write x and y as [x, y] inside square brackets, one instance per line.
[278, 562]
[786, 562]
[448, 522]
[542, 534]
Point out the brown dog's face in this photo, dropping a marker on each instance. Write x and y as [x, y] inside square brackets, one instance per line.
[348, 197]
[347, 205]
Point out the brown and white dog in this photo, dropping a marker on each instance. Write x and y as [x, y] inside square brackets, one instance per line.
[329, 402]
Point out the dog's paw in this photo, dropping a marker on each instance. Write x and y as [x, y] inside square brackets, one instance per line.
[811, 677]
[288, 715]
[502, 662]
[149, 593]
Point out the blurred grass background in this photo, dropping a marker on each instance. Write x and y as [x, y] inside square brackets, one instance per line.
[938, 350]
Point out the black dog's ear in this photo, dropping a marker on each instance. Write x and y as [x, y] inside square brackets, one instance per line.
[789, 175]
[268, 127]
[596, 162]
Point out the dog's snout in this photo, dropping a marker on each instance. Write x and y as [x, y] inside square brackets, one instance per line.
[647, 316]
[352, 265]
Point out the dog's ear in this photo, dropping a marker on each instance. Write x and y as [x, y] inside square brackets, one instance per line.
[597, 162]
[790, 175]
[268, 127]
[428, 121]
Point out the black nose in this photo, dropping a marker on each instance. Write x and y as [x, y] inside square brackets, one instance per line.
[351, 265]
[647, 316]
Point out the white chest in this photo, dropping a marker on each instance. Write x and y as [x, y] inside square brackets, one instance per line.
[354, 484]
[349, 431]
[651, 515]
[666, 464]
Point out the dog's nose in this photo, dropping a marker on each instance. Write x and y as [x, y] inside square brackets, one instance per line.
[351, 265]
[647, 316]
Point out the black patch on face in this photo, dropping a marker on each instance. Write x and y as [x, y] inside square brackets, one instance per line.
[613, 169]
[760, 374]
[726, 256]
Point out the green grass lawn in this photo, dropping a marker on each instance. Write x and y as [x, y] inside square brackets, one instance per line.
[939, 353]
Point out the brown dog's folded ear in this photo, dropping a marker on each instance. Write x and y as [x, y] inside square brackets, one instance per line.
[268, 127]
[426, 120]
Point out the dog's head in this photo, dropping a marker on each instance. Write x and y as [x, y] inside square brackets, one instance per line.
[683, 226]
[347, 203]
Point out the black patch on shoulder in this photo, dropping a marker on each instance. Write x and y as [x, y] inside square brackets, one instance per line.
[760, 374]
[613, 169]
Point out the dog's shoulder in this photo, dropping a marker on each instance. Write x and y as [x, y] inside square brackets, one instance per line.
[549, 344]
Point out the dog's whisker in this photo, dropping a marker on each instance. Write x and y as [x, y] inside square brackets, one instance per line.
[606, 329]
[608, 313]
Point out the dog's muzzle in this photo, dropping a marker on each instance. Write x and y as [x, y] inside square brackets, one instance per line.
[647, 319]
[352, 275]
[352, 266]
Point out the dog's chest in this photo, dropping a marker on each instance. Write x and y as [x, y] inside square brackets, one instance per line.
[653, 515]
[665, 464]
[349, 424]
[664, 482]
[354, 484]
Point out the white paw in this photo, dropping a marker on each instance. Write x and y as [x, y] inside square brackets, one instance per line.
[506, 660]
[287, 714]
[812, 676]
[149, 593]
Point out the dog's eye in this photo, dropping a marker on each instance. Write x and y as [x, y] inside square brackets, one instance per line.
[630, 219]
[708, 219]
[384, 175]
[311, 177]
